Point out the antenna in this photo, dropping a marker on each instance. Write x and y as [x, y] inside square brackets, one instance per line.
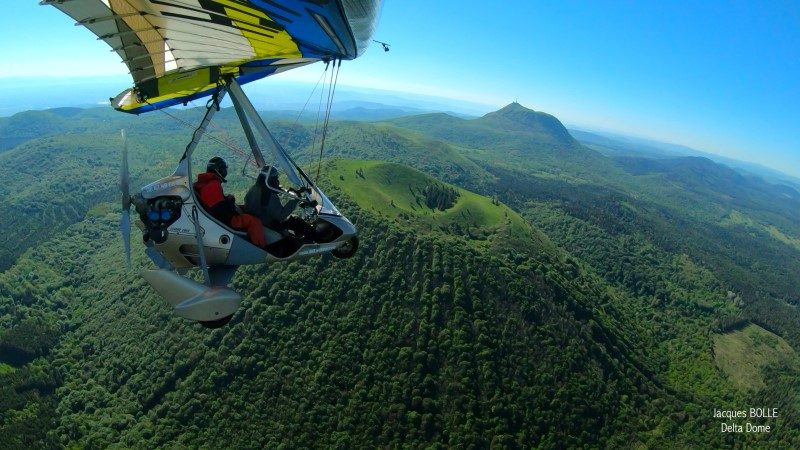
[384, 44]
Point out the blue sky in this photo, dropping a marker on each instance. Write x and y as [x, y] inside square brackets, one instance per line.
[722, 77]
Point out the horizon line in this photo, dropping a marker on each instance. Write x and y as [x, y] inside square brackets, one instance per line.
[458, 106]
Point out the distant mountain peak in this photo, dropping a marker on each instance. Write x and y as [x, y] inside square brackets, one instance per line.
[515, 117]
[516, 110]
[513, 106]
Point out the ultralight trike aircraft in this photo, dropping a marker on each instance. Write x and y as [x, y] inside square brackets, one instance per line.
[181, 50]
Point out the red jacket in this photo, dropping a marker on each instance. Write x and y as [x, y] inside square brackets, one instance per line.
[208, 188]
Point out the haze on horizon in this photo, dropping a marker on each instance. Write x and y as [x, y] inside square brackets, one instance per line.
[718, 77]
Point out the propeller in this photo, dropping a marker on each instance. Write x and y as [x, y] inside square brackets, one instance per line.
[124, 182]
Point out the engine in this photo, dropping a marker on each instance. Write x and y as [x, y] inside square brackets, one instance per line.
[157, 214]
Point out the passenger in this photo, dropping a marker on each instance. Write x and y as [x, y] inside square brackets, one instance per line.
[262, 200]
[223, 207]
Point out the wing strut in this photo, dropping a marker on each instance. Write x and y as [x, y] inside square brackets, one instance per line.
[258, 157]
[184, 168]
[247, 115]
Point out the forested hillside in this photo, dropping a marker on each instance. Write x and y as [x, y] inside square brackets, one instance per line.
[512, 289]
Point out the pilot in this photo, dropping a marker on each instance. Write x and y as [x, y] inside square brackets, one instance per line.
[262, 200]
[223, 207]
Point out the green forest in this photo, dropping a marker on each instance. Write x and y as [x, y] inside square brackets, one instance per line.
[513, 288]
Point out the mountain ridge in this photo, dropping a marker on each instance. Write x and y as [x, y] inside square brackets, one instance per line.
[540, 128]
[613, 144]
[516, 117]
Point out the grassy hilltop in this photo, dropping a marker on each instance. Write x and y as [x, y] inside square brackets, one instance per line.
[397, 191]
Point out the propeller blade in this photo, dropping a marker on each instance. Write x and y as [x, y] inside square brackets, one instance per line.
[124, 186]
[124, 177]
[125, 229]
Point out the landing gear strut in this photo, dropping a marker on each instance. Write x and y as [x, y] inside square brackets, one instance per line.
[346, 250]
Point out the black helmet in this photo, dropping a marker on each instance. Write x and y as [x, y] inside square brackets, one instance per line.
[270, 175]
[219, 166]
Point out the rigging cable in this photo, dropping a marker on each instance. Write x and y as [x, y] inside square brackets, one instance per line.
[319, 110]
[331, 93]
[296, 120]
[237, 150]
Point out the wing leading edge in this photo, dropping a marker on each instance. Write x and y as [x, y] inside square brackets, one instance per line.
[178, 50]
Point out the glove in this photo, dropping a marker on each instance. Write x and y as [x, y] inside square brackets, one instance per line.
[309, 204]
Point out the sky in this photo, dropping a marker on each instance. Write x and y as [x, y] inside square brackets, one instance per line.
[719, 76]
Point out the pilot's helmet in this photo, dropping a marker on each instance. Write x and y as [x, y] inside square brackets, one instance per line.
[270, 174]
[219, 166]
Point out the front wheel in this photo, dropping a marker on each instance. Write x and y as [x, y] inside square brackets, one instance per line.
[346, 250]
[214, 324]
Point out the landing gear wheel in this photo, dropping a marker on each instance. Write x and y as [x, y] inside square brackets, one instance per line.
[346, 250]
[214, 324]
[159, 235]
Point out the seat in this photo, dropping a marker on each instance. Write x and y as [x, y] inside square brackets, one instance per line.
[270, 235]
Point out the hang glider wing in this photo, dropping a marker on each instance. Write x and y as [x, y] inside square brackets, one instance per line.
[177, 50]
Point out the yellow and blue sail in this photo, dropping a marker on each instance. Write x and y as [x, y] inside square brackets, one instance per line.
[179, 50]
